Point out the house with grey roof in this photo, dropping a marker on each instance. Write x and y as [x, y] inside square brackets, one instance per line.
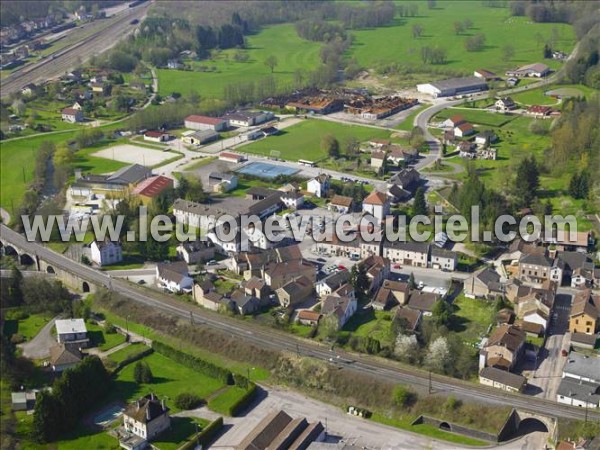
[484, 283]
[342, 308]
[440, 258]
[119, 181]
[174, 277]
[407, 253]
[582, 367]
[453, 86]
[536, 268]
[584, 394]
[502, 379]
[332, 282]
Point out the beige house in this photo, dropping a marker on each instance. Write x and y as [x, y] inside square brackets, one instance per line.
[501, 379]
[146, 417]
[295, 292]
[484, 283]
[585, 313]
[504, 348]
[390, 294]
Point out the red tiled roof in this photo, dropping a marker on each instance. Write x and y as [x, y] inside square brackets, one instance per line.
[465, 126]
[154, 134]
[375, 198]
[153, 186]
[230, 155]
[204, 119]
[70, 111]
[539, 109]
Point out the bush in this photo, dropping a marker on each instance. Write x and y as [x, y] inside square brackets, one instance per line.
[17, 339]
[403, 397]
[187, 400]
[109, 328]
[142, 373]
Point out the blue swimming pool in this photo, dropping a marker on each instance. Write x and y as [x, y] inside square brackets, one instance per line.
[266, 170]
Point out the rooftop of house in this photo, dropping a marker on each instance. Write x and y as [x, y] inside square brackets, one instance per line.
[342, 200]
[67, 326]
[332, 304]
[64, 354]
[535, 259]
[502, 376]
[507, 336]
[146, 409]
[582, 365]
[307, 314]
[455, 83]
[422, 301]
[410, 315]
[584, 391]
[131, 174]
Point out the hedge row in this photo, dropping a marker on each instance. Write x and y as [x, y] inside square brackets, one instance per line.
[194, 363]
[132, 359]
[206, 436]
[244, 401]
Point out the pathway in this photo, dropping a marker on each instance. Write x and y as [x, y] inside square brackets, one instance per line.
[39, 346]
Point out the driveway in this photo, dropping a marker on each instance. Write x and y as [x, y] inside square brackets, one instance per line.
[340, 426]
[39, 346]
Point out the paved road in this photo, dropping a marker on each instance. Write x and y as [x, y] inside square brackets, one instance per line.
[67, 59]
[281, 341]
[39, 346]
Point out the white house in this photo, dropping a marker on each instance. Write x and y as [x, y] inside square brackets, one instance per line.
[193, 251]
[505, 104]
[174, 277]
[464, 129]
[583, 394]
[72, 115]
[71, 331]
[407, 253]
[105, 253]
[319, 186]
[377, 204]
[340, 204]
[443, 259]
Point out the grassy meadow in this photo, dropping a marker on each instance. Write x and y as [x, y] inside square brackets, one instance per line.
[395, 43]
[303, 141]
[281, 41]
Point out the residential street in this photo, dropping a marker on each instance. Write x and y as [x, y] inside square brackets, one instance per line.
[39, 346]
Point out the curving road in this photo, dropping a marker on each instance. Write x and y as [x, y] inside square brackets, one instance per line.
[273, 339]
[68, 58]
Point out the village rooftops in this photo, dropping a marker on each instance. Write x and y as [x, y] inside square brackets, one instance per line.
[70, 111]
[64, 354]
[423, 301]
[341, 200]
[457, 83]
[536, 260]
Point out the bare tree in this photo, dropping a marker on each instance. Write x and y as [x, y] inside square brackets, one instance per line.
[459, 27]
[417, 30]
[271, 62]
[508, 51]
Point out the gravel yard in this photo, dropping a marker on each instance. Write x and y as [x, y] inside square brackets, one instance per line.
[133, 154]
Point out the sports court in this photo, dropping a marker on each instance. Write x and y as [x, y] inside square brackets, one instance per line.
[266, 170]
[131, 154]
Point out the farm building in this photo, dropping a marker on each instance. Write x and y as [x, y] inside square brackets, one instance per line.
[195, 122]
[248, 118]
[156, 136]
[536, 70]
[453, 86]
[199, 137]
[72, 115]
[231, 157]
[152, 187]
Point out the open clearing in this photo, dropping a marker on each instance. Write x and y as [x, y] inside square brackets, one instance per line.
[133, 154]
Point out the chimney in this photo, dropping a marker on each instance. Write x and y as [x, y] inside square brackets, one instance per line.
[138, 405]
[148, 413]
[162, 403]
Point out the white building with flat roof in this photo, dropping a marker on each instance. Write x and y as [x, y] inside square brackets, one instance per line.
[71, 331]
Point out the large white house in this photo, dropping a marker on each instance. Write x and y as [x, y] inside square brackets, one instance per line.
[319, 186]
[105, 253]
[71, 331]
[174, 277]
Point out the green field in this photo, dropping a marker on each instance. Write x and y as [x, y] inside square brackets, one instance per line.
[225, 400]
[28, 327]
[292, 53]
[476, 117]
[539, 97]
[474, 317]
[303, 141]
[170, 380]
[396, 44]
[101, 339]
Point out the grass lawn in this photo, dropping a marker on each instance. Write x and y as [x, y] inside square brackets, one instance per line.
[539, 97]
[16, 156]
[101, 339]
[130, 261]
[408, 123]
[369, 323]
[127, 352]
[204, 161]
[404, 422]
[474, 316]
[225, 286]
[226, 399]
[372, 47]
[303, 141]
[258, 373]
[29, 327]
[182, 429]
[170, 380]
[281, 41]
[476, 117]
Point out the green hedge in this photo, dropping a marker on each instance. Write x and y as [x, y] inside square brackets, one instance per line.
[206, 436]
[133, 358]
[194, 363]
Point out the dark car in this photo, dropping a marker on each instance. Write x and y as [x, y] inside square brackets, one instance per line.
[134, 22]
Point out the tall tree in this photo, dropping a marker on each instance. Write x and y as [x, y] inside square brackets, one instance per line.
[417, 30]
[419, 204]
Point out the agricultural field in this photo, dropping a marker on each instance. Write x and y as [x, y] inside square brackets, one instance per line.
[303, 141]
[386, 45]
[281, 41]
[542, 96]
